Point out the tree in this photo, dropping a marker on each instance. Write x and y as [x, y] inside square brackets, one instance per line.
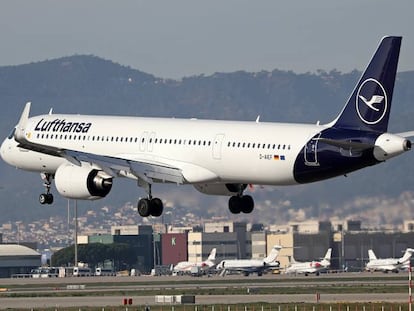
[96, 254]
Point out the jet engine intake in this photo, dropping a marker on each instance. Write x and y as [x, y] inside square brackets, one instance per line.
[83, 182]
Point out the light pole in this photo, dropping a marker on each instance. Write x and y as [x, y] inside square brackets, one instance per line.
[343, 250]
[76, 233]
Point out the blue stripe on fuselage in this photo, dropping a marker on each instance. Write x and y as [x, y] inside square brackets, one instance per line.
[319, 160]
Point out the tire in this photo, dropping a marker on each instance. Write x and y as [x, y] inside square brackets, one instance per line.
[235, 204]
[156, 207]
[49, 198]
[143, 207]
[247, 204]
[43, 198]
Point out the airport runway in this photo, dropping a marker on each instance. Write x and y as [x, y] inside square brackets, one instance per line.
[113, 301]
[100, 298]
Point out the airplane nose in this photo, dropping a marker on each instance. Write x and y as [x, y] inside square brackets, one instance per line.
[5, 151]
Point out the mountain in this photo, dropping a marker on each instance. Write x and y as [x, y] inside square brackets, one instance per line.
[87, 84]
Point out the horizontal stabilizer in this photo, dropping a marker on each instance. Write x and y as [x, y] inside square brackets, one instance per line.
[406, 134]
[354, 145]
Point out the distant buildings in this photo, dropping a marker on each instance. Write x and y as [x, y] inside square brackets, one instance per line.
[167, 245]
[303, 240]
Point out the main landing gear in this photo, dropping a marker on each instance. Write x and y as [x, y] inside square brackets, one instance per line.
[241, 203]
[46, 198]
[150, 206]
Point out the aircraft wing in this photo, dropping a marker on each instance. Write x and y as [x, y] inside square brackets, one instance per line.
[143, 169]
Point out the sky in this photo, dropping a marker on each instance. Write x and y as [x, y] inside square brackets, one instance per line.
[181, 38]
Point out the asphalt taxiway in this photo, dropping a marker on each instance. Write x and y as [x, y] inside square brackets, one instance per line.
[103, 291]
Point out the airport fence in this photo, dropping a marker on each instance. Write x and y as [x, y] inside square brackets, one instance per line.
[248, 307]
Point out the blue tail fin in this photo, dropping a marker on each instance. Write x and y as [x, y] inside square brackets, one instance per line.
[369, 106]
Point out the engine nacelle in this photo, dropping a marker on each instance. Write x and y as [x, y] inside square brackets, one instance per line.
[82, 182]
[390, 145]
[220, 189]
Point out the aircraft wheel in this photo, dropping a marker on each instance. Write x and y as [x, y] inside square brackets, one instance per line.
[46, 198]
[234, 204]
[49, 198]
[247, 205]
[156, 207]
[144, 207]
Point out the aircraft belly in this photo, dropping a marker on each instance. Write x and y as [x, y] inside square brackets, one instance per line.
[264, 172]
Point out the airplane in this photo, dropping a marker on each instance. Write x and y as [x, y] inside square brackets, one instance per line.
[186, 266]
[388, 264]
[310, 267]
[85, 153]
[247, 266]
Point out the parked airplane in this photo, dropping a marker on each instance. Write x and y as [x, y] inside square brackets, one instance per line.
[84, 153]
[388, 264]
[187, 266]
[309, 267]
[247, 266]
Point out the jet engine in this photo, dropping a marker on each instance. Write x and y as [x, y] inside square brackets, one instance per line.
[220, 189]
[389, 145]
[83, 182]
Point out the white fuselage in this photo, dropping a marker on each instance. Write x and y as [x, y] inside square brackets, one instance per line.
[205, 151]
[186, 266]
[386, 264]
[240, 264]
[306, 267]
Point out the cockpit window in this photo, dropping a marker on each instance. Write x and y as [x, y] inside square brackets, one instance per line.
[11, 135]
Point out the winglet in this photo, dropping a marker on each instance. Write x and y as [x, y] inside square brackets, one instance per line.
[21, 126]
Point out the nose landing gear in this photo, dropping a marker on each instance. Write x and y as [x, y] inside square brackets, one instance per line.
[46, 198]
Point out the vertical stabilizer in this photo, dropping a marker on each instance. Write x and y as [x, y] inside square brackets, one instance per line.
[407, 255]
[212, 256]
[273, 254]
[369, 105]
[371, 255]
[292, 260]
[326, 261]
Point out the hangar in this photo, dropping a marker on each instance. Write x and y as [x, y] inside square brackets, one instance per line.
[17, 259]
